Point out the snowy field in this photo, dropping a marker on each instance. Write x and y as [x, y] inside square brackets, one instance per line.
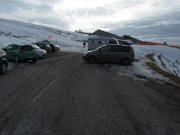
[167, 58]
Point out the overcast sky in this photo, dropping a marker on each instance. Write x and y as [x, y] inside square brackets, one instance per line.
[89, 15]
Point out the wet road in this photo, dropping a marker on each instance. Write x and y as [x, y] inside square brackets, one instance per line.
[64, 96]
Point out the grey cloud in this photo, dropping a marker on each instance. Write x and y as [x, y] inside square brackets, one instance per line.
[166, 25]
[100, 11]
[52, 21]
[108, 9]
[11, 6]
[127, 3]
[8, 6]
[42, 11]
[166, 3]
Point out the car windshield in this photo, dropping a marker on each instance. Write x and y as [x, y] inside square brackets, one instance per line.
[35, 46]
[47, 45]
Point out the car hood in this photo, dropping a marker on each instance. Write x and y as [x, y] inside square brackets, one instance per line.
[41, 51]
[2, 53]
[90, 51]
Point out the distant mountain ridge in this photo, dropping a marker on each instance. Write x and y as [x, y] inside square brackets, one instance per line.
[160, 30]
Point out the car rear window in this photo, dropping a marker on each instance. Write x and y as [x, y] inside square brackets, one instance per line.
[123, 42]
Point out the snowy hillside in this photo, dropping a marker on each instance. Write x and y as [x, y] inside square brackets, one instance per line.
[19, 32]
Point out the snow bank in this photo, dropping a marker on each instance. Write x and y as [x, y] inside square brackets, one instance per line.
[167, 58]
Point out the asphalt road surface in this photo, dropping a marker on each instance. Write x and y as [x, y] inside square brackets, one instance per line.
[65, 96]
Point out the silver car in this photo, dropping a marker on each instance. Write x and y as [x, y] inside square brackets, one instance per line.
[40, 52]
[3, 62]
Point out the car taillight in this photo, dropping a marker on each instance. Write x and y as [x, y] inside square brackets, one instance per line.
[21, 51]
[36, 52]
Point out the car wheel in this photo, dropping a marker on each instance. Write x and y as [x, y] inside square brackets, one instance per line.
[3, 68]
[16, 59]
[34, 61]
[92, 59]
[126, 61]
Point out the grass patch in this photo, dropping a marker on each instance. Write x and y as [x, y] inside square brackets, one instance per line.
[162, 63]
[175, 46]
[150, 56]
[166, 74]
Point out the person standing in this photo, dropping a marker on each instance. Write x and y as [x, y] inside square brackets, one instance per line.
[84, 44]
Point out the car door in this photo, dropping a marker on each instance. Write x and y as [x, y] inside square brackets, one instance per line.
[11, 51]
[122, 52]
[117, 53]
[28, 52]
[8, 51]
[104, 54]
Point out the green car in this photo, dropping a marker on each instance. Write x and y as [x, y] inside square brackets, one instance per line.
[21, 53]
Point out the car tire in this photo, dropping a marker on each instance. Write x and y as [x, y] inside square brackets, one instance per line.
[92, 59]
[126, 61]
[16, 59]
[3, 68]
[34, 61]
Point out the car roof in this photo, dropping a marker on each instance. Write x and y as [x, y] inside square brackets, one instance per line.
[121, 45]
[16, 44]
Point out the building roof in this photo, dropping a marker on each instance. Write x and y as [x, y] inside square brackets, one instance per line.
[105, 34]
[100, 37]
[101, 33]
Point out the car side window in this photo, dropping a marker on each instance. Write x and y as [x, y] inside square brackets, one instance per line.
[14, 47]
[119, 48]
[112, 42]
[27, 48]
[99, 42]
[105, 49]
[9, 47]
[39, 45]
